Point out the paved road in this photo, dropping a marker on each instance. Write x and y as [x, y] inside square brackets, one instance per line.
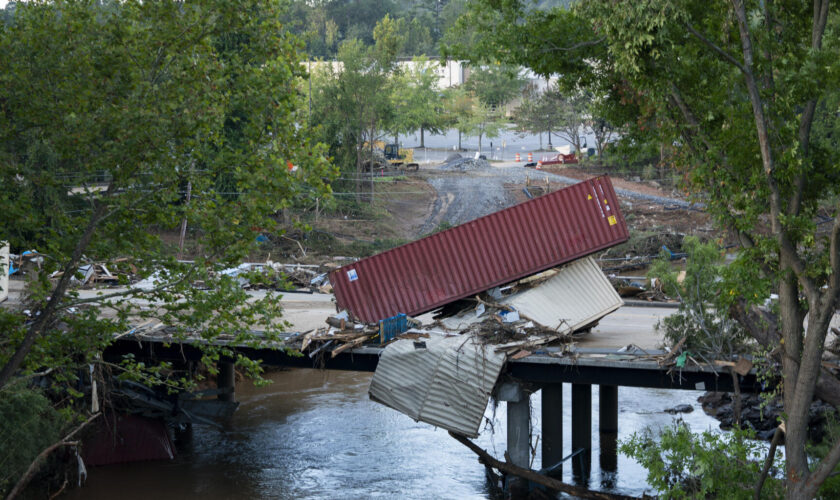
[628, 325]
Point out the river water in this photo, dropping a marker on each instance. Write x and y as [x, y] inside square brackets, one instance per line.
[315, 434]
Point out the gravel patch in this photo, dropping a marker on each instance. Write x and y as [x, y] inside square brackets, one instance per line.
[486, 190]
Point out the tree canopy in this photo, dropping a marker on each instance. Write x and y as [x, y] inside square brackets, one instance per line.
[107, 112]
[745, 93]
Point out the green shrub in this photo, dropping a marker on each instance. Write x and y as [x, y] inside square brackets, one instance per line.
[682, 464]
[28, 425]
[702, 316]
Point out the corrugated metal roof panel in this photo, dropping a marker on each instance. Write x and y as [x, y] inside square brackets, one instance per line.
[490, 251]
[573, 298]
[443, 381]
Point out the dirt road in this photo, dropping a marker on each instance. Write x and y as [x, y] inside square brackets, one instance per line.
[464, 196]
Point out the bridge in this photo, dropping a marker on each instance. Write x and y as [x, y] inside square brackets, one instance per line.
[601, 358]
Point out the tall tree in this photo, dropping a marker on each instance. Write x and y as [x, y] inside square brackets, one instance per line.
[572, 115]
[485, 122]
[351, 98]
[106, 112]
[742, 88]
[417, 99]
[495, 85]
[459, 106]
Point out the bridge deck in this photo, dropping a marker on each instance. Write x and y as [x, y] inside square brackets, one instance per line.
[583, 365]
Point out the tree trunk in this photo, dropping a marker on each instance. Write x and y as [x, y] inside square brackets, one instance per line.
[359, 170]
[371, 166]
[422, 139]
[48, 314]
[796, 425]
[459, 139]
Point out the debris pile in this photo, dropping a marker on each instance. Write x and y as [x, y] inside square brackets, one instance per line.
[458, 163]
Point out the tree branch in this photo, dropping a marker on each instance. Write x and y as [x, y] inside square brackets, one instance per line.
[579, 45]
[826, 465]
[48, 313]
[36, 464]
[768, 462]
[832, 295]
[722, 53]
[126, 293]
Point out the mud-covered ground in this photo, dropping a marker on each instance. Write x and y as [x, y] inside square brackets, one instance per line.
[466, 195]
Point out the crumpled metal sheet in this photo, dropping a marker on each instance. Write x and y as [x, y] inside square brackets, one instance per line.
[576, 296]
[443, 381]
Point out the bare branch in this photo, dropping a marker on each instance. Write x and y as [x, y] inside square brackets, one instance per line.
[36, 464]
[129, 292]
[580, 45]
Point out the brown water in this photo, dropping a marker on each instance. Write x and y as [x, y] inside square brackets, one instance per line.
[315, 434]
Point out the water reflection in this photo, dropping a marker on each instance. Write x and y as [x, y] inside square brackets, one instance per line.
[315, 434]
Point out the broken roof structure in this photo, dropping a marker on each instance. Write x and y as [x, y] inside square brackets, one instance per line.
[490, 251]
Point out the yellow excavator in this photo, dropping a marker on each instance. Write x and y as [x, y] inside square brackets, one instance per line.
[400, 158]
[390, 155]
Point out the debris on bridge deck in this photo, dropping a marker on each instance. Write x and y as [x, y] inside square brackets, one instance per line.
[487, 252]
[443, 373]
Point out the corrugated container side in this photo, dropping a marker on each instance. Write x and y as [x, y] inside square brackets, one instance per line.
[489, 251]
[576, 296]
[447, 383]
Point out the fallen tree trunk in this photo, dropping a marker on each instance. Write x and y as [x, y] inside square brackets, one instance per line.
[534, 477]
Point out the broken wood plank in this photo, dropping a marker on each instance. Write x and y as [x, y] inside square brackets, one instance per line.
[743, 366]
[339, 323]
[350, 345]
[307, 339]
[521, 354]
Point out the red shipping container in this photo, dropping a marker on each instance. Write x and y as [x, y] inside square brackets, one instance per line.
[489, 251]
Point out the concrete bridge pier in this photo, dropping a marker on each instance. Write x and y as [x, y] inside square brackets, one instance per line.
[608, 427]
[582, 431]
[552, 427]
[226, 379]
[518, 433]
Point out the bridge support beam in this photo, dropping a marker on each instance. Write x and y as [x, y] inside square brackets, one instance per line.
[608, 427]
[582, 431]
[226, 379]
[608, 408]
[552, 426]
[518, 433]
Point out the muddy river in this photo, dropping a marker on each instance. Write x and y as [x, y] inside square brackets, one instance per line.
[315, 434]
